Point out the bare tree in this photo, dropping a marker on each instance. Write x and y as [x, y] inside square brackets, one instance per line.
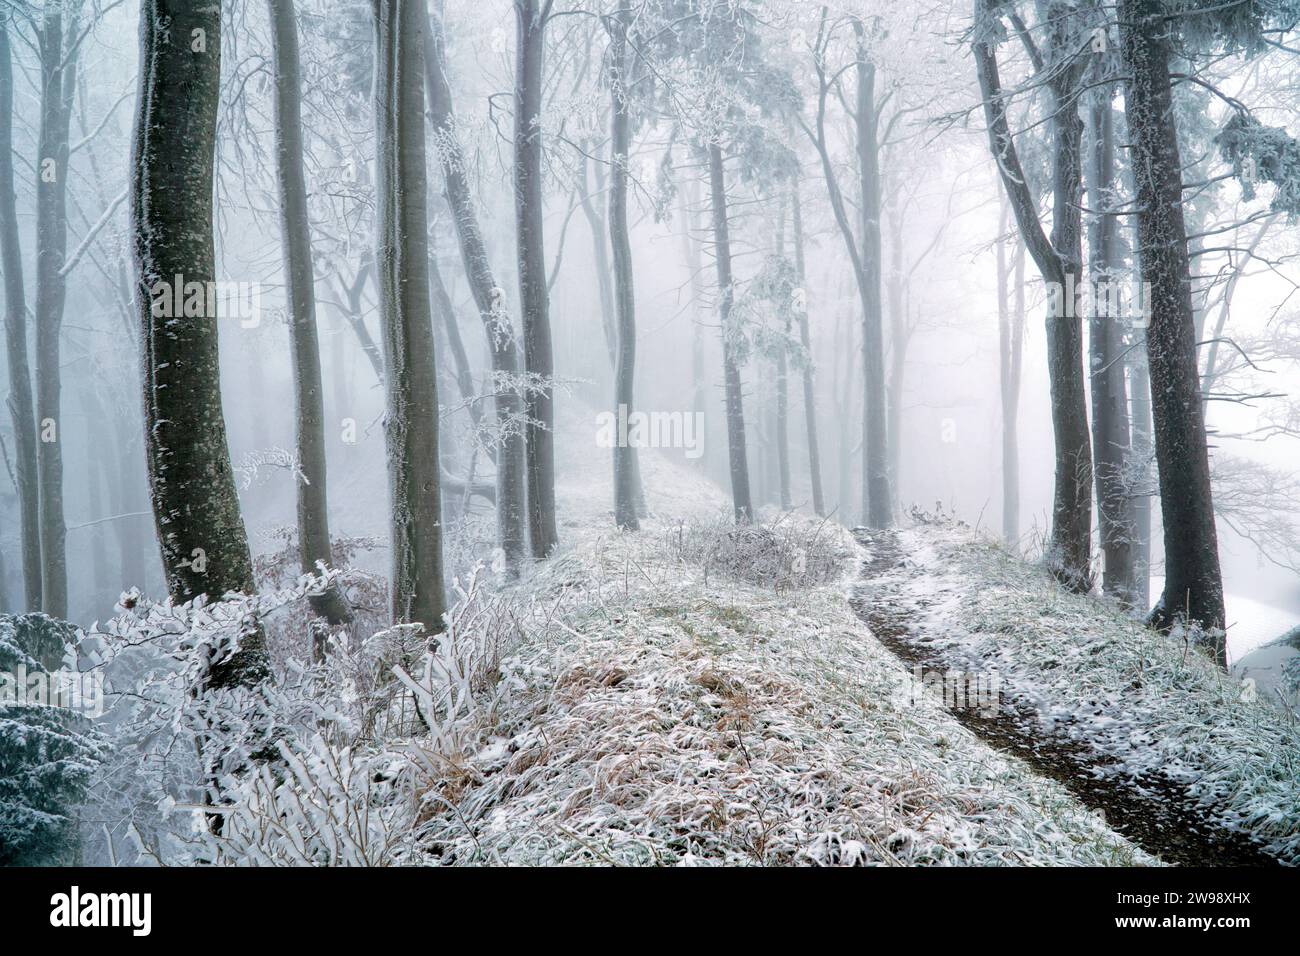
[1193, 581]
[402, 267]
[59, 39]
[625, 484]
[512, 526]
[1059, 261]
[531, 17]
[21, 407]
[737, 456]
[809, 367]
[196, 507]
[304, 348]
[1110, 417]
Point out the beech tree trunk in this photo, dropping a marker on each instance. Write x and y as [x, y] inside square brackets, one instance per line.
[534, 300]
[58, 54]
[1110, 423]
[21, 406]
[1011, 328]
[314, 546]
[196, 507]
[1193, 581]
[809, 368]
[625, 511]
[691, 251]
[1059, 261]
[402, 268]
[508, 404]
[877, 501]
[739, 462]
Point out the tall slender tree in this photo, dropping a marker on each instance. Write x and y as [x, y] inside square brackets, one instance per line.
[508, 404]
[737, 454]
[618, 23]
[877, 501]
[314, 545]
[59, 38]
[402, 267]
[21, 407]
[531, 17]
[805, 339]
[1110, 418]
[1193, 580]
[195, 503]
[1059, 260]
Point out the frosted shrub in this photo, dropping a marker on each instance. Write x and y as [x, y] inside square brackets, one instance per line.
[789, 552]
[323, 765]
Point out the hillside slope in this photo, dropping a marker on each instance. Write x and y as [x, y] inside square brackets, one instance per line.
[687, 695]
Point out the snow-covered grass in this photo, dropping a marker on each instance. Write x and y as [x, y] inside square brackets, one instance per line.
[1149, 703]
[660, 720]
[666, 707]
[680, 695]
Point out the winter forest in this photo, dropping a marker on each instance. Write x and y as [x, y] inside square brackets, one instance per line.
[650, 432]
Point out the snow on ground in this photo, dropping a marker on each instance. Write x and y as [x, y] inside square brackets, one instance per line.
[1252, 624]
[1146, 700]
[655, 716]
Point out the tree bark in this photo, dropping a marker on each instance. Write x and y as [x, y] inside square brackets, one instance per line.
[625, 511]
[600, 253]
[877, 501]
[402, 268]
[508, 405]
[21, 406]
[1110, 423]
[1059, 261]
[737, 457]
[314, 546]
[534, 300]
[686, 209]
[196, 507]
[809, 368]
[1011, 323]
[58, 54]
[1193, 581]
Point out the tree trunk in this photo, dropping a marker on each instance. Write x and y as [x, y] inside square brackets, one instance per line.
[58, 53]
[809, 368]
[1143, 449]
[402, 268]
[877, 502]
[1110, 424]
[512, 534]
[625, 512]
[539, 431]
[1193, 582]
[314, 545]
[600, 256]
[196, 507]
[691, 252]
[21, 407]
[1011, 323]
[781, 400]
[739, 463]
[446, 319]
[1059, 261]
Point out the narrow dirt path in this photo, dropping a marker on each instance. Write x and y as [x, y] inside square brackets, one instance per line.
[1154, 812]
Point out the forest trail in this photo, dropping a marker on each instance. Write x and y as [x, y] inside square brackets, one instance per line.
[1168, 815]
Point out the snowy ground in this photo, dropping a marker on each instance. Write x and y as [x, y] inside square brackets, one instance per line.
[1148, 708]
[658, 717]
